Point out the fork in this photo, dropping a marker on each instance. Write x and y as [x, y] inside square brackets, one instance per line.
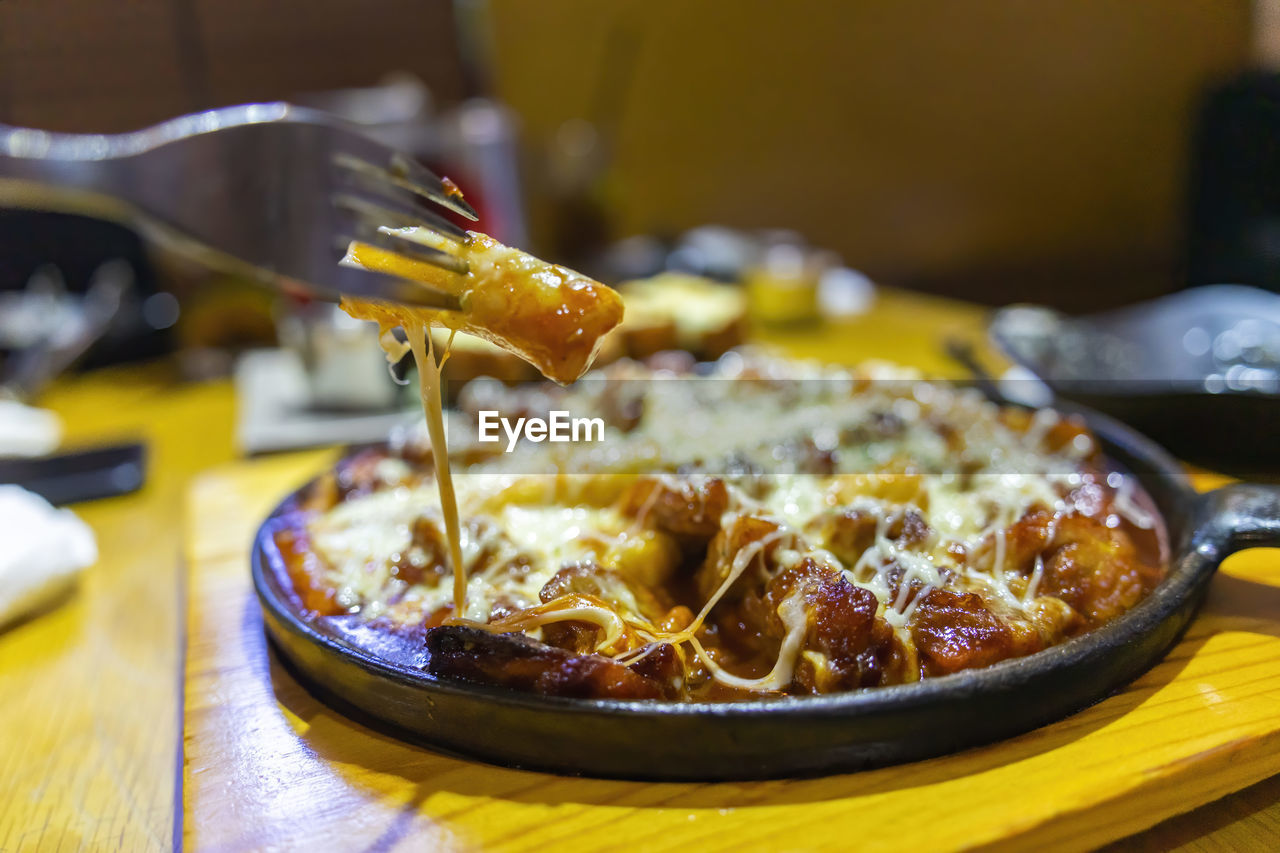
[271, 192]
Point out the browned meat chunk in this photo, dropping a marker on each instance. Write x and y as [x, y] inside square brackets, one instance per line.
[520, 663]
[849, 647]
[724, 549]
[855, 648]
[662, 665]
[687, 508]
[1064, 431]
[426, 560]
[587, 578]
[850, 532]
[955, 631]
[1095, 569]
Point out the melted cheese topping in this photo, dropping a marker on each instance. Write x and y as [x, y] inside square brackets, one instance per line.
[797, 445]
[510, 553]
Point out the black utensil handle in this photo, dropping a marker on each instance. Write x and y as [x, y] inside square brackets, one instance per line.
[100, 472]
[1235, 517]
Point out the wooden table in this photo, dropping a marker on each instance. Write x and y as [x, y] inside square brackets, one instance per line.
[90, 756]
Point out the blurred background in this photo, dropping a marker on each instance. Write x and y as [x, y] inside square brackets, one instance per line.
[1080, 155]
[988, 150]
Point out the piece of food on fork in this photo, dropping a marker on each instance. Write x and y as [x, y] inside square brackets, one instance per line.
[546, 314]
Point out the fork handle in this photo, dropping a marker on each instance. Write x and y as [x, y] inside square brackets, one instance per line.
[61, 171]
[24, 143]
[103, 174]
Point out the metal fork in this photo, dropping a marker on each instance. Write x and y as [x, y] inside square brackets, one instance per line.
[272, 192]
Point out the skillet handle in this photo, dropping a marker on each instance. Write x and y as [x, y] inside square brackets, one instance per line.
[1235, 517]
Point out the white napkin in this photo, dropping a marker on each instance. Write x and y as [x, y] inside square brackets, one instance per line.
[42, 551]
[27, 431]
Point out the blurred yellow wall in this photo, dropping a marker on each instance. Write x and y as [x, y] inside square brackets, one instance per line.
[997, 144]
[998, 149]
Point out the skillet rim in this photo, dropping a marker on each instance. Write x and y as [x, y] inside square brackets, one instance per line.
[1123, 446]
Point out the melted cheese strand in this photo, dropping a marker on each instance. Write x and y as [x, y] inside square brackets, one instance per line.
[569, 607]
[1128, 508]
[741, 559]
[423, 348]
[1033, 584]
[791, 610]
[793, 615]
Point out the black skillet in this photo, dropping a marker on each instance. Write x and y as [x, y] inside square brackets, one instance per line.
[804, 735]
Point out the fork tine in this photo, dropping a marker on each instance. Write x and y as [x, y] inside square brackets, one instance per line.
[377, 190]
[387, 211]
[369, 284]
[393, 241]
[412, 170]
[424, 182]
[401, 244]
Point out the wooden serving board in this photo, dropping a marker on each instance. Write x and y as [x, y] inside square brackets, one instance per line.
[268, 766]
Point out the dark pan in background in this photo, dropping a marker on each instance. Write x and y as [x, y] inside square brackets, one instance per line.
[1198, 370]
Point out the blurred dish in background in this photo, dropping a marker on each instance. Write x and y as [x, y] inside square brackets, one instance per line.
[53, 261]
[786, 279]
[345, 368]
[276, 410]
[680, 311]
[1198, 370]
[45, 329]
[782, 281]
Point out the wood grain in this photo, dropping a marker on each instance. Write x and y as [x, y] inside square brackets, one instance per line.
[268, 765]
[89, 691]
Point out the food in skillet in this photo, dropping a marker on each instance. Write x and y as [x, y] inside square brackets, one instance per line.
[761, 528]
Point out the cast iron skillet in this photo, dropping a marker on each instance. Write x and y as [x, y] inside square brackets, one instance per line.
[802, 735]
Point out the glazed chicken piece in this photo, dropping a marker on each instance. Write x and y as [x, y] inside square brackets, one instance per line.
[842, 645]
[548, 315]
[1094, 568]
[954, 631]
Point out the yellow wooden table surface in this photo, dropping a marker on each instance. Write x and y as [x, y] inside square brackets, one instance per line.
[89, 719]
